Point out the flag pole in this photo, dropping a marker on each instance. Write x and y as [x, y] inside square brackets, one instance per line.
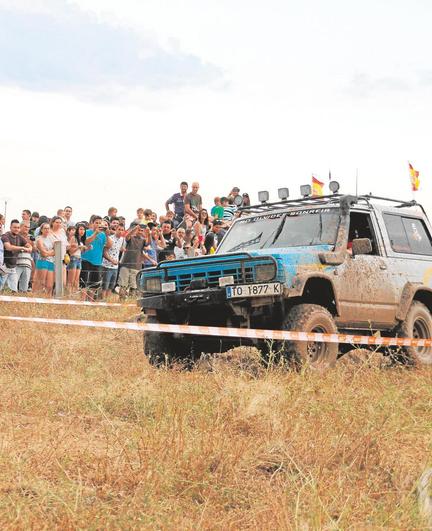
[356, 182]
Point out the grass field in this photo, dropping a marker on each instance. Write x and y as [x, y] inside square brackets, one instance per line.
[93, 437]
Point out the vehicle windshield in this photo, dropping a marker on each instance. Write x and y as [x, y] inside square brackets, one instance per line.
[294, 228]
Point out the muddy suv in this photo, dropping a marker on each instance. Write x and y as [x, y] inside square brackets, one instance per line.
[334, 263]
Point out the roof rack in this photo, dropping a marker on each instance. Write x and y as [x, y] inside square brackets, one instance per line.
[302, 201]
[400, 204]
[325, 199]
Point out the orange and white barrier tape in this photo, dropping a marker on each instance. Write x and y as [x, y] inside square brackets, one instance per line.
[220, 331]
[65, 302]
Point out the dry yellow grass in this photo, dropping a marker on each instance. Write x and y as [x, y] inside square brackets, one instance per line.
[92, 437]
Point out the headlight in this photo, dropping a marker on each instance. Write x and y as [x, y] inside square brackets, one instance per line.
[265, 272]
[153, 284]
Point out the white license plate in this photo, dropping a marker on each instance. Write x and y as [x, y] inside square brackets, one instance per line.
[254, 290]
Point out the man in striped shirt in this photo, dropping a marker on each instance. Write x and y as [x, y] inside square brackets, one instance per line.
[229, 210]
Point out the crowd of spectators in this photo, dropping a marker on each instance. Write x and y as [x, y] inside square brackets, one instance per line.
[103, 255]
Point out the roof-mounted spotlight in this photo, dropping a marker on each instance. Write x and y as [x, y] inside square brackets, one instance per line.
[334, 186]
[263, 196]
[305, 190]
[283, 194]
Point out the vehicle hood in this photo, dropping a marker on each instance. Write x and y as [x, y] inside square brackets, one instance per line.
[297, 260]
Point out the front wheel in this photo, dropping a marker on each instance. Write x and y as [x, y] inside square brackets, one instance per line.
[311, 318]
[417, 324]
[160, 348]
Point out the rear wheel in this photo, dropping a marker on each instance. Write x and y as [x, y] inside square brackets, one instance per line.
[417, 324]
[311, 318]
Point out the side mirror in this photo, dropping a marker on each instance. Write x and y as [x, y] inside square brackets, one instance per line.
[361, 246]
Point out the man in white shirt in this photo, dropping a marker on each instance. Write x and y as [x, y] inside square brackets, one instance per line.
[110, 261]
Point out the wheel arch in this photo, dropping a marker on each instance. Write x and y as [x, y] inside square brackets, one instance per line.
[316, 289]
[413, 292]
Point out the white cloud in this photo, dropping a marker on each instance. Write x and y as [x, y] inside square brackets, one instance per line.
[292, 107]
[71, 51]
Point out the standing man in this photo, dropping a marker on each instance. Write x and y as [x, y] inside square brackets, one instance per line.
[24, 264]
[67, 212]
[177, 200]
[132, 259]
[14, 243]
[91, 263]
[26, 215]
[192, 204]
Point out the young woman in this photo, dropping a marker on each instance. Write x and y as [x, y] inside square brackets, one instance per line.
[246, 200]
[44, 277]
[76, 243]
[202, 225]
[198, 248]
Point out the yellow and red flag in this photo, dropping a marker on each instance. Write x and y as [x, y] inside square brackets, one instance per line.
[317, 187]
[415, 181]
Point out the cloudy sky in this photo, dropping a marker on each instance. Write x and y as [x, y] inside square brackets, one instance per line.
[114, 103]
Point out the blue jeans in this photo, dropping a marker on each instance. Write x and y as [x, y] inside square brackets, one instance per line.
[23, 276]
[109, 277]
[10, 280]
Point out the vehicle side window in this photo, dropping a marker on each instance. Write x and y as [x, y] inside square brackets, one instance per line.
[408, 235]
[361, 227]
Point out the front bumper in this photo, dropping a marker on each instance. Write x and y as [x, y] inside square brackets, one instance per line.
[186, 299]
[203, 298]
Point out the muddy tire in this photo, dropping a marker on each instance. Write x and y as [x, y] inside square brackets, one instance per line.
[417, 324]
[160, 349]
[311, 318]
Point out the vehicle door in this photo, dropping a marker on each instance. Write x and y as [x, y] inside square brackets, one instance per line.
[366, 292]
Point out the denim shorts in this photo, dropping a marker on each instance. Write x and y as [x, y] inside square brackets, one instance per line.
[75, 263]
[45, 264]
[109, 277]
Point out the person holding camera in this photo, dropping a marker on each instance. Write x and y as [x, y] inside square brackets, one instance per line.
[91, 259]
[132, 259]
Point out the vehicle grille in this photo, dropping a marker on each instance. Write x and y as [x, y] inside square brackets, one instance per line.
[242, 275]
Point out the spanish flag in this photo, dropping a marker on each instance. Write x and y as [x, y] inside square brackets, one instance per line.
[317, 187]
[415, 181]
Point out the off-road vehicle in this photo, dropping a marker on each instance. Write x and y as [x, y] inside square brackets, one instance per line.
[334, 263]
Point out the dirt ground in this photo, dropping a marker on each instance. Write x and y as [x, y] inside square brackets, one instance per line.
[93, 437]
